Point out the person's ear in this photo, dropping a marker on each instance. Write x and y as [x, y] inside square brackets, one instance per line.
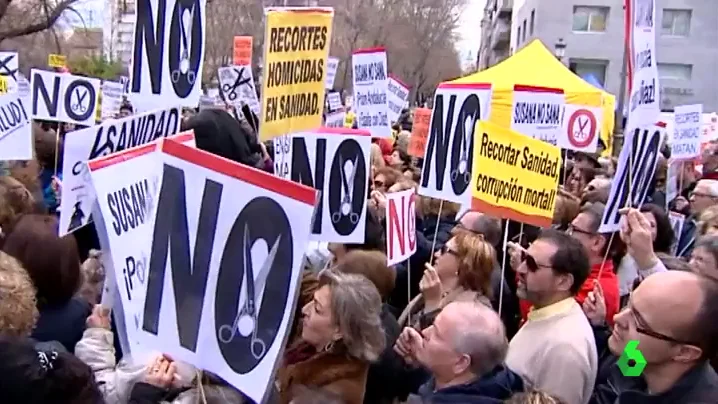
[688, 354]
[565, 281]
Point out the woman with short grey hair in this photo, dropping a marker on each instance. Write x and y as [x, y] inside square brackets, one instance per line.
[341, 335]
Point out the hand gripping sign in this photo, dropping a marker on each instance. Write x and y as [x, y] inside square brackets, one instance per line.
[224, 267]
[400, 226]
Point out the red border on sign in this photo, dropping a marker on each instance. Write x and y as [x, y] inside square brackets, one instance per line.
[506, 213]
[324, 130]
[129, 154]
[572, 120]
[537, 89]
[377, 49]
[398, 80]
[298, 192]
[468, 86]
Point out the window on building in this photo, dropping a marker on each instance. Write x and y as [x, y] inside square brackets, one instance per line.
[533, 22]
[676, 22]
[589, 18]
[590, 67]
[524, 28]
[518, 37]
[675, 71]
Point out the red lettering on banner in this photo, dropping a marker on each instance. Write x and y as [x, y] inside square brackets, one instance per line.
[401, 226]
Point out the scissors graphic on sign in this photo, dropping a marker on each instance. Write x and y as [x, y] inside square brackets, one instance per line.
[463, 167]
[231, 90]
[184, 67]
[79, 106]
[246, 320]
[5, 69]
[345, 207]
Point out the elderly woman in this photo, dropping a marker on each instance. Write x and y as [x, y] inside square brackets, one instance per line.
[341, 336]
[461, 272]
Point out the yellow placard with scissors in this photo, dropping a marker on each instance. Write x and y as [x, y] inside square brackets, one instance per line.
[295, 56]
[54, 60]
[515, 176]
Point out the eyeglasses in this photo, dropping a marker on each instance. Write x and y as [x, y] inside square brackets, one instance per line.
[574, 230]
[531, 263]
[645, 329]
[701, 194]
[446, 250]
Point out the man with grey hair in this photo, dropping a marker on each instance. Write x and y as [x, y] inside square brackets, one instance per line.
[464, 351]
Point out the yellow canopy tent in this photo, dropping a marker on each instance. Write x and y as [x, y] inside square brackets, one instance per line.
[535, 65]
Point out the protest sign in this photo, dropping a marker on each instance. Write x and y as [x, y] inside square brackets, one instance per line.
[9, 71]
[3, 85]
[334, 100]
[449, 150]
[537, 112]
[370, 87]
[111, 136]
[222, 285]
[419, 132]
[517, 176]
[336, 162]
[242, 51]
[687, 124]
[630, 185]
[396, 96]
[56, 61]
[400, 226]
[62, 97]
[332, 65]
[282, 156]
[237, 85]
[644, 87]
[168, 52]
[335, 119]
[16, 142]
[295, 70]
[111, 98]
[580, 128]
[677, 221]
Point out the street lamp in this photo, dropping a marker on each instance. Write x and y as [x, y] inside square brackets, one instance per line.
[560, 49]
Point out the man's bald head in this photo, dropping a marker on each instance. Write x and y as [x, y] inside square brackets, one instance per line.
[480, 223]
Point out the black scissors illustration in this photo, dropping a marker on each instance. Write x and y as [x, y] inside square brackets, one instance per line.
[246, 320]
[231, 90]
[345, 208]
[5, 69]
[463, 167]
[184, 59]
[79, 106]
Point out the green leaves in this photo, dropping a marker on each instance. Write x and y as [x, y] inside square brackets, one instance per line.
[631, 361]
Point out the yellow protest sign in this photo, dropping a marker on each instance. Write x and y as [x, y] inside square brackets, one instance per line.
[3, 85]
[295, 56]
[56, 60]
[516, 176]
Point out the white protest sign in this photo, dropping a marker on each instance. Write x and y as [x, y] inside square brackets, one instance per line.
[336, 162]
[537, 112]
[110, 137]
[335, 119]
[15, 129]
[9, 64]
[282, 156]
[62, 97]
[370, 87]
[332, 65]
[111, 98]
[580, 129]
[223, 282]
[677, 221]
[126, 184]
[168, 52]
[400, 226]
[687, 125]
[645, 89]
[396, 96]
[237, 85]
[448, 158]
[672, 180]
[23, 88]
[630, 185]
[334, 100]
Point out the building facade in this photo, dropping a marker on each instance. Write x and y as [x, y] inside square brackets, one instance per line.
[593, 31]
[495, 33]
[119, 30]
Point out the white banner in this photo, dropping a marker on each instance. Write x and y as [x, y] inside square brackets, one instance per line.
[335, 119]
[400, 226]
[282, 156]
[62, 97]
[111, 98]
[15, 129]
[223, 281]
[237, 85]
[537, 112]
[687, 125]
[9, 70]
[334, 100]
[111, 136]
[580, 129]
[396, 96]
[370, 88]
[332, 65]
[448, 158]
[645, 94]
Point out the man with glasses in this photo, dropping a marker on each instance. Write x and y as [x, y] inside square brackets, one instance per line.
[673, 316]
[555, 350]
[703, 196]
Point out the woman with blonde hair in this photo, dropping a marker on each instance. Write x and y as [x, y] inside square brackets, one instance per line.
[341, 336]
[708, 222]
[15, 201]
[19, 309]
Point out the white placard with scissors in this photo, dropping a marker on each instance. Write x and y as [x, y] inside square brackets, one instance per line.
[237, 85]
[73, 99]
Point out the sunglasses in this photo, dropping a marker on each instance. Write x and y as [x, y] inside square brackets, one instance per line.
[531, 263]
[379, 184]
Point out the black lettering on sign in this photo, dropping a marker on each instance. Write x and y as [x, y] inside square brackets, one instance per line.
[302, 172]
[39, 88]
[462, 142]
[128, 206]
[643, 159]
[78, 98]
[347, 187]
[186, 40]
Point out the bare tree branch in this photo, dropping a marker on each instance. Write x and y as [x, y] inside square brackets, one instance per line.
[45, 23]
